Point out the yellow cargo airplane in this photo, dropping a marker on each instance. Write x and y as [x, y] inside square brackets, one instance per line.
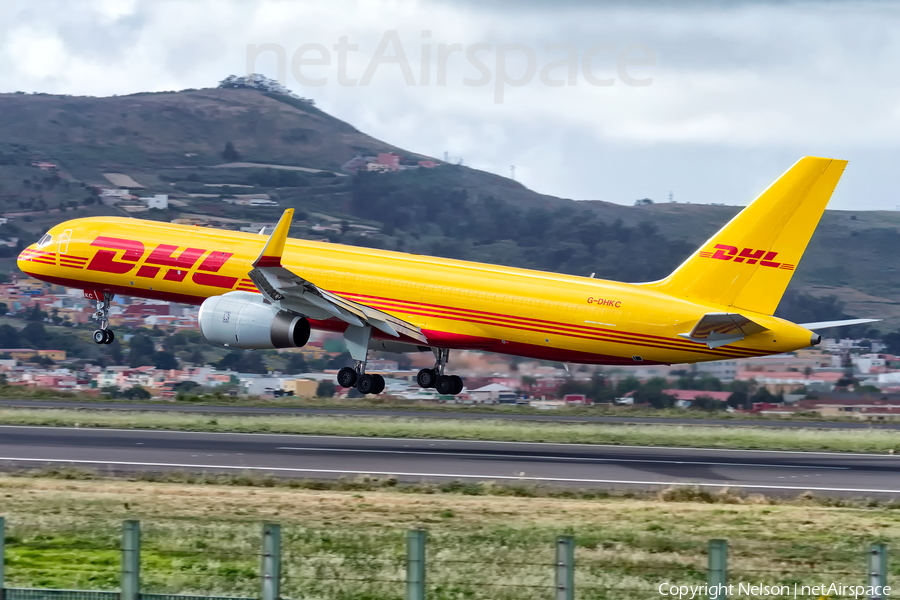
[256, 292]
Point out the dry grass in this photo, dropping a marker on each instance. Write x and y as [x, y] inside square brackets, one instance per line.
[206, 539]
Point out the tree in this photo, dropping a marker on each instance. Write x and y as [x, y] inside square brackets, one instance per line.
[9, 336]
[34, 313]
[252, 362]
[44, 361]
[892, 341]
[738, 399]
[4, 308]
[35, 334]
[141, 351]
[166, 360]
[229, 153]
[341, 360]
[325, 389]
[296, 363]
[197, 358]
[136, 393]
[111, 391]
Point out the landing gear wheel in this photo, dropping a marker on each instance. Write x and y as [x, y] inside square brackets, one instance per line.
[444, 385]
[100, 336]
[426, 378]
[365, 384]
[110, 336]
[347, 377]
[458, 384]
[378, 385]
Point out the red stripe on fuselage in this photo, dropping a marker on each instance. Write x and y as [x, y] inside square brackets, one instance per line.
[490, 344]
[435, 310]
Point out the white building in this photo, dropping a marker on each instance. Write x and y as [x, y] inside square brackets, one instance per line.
[492, 393]
[160, 201]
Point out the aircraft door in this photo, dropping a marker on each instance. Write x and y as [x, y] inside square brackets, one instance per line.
[63, 241]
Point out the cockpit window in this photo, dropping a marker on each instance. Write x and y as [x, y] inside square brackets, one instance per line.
[44, 240]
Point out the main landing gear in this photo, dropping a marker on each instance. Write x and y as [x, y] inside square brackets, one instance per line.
[446, 385]
[357, 339]
[357, 377]
[104, 335]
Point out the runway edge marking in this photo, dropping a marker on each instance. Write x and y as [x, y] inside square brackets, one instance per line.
[458, 475]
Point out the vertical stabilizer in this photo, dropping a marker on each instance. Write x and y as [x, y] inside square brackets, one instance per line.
[749, 262]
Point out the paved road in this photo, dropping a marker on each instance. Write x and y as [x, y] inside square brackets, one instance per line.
[323, 457]
[438, 414]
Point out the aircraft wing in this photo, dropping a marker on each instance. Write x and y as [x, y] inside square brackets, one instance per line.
[288, 291]
[719, 329]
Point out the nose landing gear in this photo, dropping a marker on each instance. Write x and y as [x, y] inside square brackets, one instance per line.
[104, 335]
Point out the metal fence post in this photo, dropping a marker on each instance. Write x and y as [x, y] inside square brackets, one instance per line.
[565, 568]
[878, 570]
[415, 564]
[717, 578]
[271, 562]
[2, 558]
[131, 560]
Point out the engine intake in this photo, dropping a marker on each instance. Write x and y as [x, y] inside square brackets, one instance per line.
[244, 320]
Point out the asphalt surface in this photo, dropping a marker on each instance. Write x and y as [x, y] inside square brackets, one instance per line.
[325, 457]
[437, 414]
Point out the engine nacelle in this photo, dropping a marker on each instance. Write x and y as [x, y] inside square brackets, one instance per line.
[244, 320]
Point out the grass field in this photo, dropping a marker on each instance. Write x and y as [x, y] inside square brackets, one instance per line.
[744, 437]
[396, 404]
[350, 545]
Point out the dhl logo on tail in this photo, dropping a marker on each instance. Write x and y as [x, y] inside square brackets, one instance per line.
[751, 256]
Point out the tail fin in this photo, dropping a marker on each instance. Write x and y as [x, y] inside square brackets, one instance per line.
[749, 262]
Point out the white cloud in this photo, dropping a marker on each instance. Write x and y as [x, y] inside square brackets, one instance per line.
[739, 91]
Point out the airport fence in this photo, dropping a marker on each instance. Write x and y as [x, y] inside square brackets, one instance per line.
[291, 564]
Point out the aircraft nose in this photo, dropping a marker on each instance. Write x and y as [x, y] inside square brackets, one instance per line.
[24, 256]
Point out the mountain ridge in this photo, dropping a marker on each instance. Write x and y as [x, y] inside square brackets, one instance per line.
[172, 142]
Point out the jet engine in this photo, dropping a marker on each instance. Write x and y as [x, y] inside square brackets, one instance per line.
[245, 320]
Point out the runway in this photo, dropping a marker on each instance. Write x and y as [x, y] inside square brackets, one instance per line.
[424, 413]
[327, 457]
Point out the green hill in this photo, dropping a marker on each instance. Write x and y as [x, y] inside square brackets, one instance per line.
[286, 148]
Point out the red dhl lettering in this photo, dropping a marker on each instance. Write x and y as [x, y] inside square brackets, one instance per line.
[212, 264]
[164, 255]
[121, 256]
[748, 256]
[605, 302]
[105, 259]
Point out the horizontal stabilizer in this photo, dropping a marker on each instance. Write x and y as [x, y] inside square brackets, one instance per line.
[719, 329]
[827, 324]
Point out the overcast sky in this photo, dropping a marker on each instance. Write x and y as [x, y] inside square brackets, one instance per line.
[614, 101]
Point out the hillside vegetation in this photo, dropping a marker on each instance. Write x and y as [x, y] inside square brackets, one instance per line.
[205, 147]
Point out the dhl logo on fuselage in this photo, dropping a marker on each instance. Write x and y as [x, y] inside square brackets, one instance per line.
[748, 255]
[122, 256]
